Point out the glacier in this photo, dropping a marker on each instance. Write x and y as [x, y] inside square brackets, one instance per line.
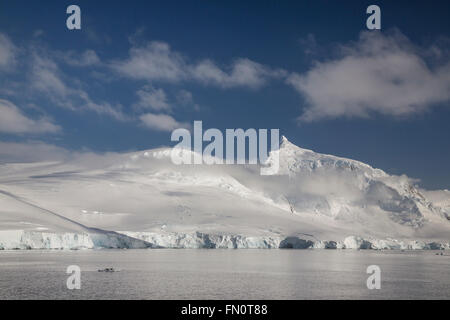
[142, 200]
[27, 240]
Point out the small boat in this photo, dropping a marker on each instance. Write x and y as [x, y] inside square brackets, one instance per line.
[107, 270]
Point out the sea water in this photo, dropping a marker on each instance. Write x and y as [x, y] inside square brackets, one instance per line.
[224, 274]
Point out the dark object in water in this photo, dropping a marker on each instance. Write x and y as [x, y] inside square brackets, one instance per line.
[106, 270]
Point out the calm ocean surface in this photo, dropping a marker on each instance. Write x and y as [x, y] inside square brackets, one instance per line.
[224, 274]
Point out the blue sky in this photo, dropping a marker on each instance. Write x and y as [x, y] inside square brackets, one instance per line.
[138, 69]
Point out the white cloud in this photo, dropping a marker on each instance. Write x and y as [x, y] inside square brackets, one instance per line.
[38, 33]
[161, 122]
[308, 44]
[379, 73]
[157, 62]
[154, 99]
[7, 52]
[47, 78]
[185, 98]
[12, 120]
[243, 73]
[87, 58]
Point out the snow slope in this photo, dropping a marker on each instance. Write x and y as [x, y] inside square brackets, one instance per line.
[142, 200]
[440, 198]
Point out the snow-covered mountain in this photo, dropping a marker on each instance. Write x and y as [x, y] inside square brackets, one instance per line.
[141, 199]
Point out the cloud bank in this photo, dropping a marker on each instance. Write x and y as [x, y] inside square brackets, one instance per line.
[31, 151]
[12, 120]
[152, 98]
[47, 78]
[161, 122]
[8, 52]
[156, 61]
[379, 73]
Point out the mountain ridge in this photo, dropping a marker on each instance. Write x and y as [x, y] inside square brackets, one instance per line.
[144, 196]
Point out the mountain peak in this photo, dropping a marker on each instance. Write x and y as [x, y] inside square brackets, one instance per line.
[286, 144]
